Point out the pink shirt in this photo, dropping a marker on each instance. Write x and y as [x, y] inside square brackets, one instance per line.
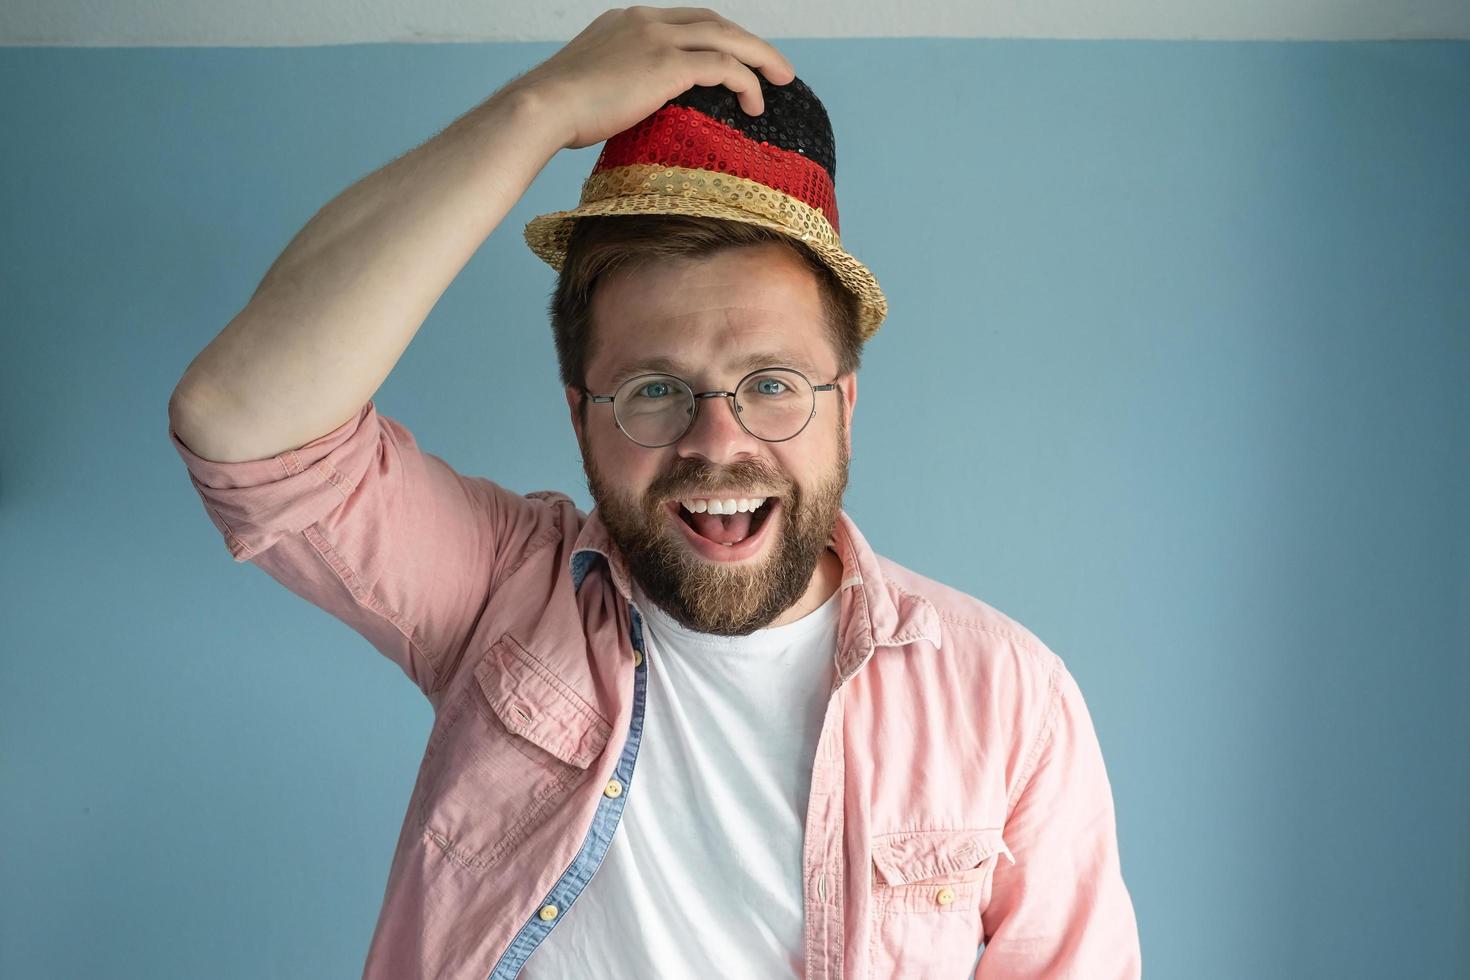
[958, 793]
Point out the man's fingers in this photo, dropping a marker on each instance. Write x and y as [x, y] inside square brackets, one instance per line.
[723, 68]
[707, 35]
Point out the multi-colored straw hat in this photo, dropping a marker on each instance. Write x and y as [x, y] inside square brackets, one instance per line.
[700, 154]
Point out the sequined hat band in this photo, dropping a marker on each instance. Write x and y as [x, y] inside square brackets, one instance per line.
[700, 154]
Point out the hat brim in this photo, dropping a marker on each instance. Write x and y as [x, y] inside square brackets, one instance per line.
[548, 234]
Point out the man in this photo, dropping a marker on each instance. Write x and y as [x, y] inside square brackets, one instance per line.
[704, 730]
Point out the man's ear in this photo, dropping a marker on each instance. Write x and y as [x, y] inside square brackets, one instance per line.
[577, 410]
[847, 390]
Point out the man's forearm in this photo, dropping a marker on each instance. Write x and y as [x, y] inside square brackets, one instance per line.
[339, 306]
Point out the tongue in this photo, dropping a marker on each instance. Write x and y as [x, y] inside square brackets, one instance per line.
[722, 528]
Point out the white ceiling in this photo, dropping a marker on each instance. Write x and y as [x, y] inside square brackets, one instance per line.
[271, 23]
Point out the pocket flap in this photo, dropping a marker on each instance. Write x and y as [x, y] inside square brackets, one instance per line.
[915, 855]
[539, 707]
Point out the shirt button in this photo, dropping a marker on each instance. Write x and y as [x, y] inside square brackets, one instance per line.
[613, 789]
[945, 896]
[548, 912]
[637, 658]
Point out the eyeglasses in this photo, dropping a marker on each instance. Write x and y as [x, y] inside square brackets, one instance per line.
[773, 404]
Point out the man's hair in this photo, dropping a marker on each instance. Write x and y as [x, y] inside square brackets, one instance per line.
[600, 244]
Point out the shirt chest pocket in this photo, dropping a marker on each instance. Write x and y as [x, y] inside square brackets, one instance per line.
[929, 889]
[936, 870]
[504, 752]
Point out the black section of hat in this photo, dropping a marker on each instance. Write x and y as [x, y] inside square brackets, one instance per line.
[794, 118]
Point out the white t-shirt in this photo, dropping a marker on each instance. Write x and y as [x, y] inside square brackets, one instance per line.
[703, 875]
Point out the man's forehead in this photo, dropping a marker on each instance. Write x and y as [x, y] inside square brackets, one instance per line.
[748, 359]
[720, 337]
[738, 359]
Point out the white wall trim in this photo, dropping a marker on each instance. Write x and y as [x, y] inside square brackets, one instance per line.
[279, 23]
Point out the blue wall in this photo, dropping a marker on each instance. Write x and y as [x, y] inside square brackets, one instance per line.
[1185, 328]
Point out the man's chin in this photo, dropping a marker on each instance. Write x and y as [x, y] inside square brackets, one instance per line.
[711, 588]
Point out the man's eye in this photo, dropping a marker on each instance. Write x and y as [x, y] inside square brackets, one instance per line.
[654, 389]
[770, 386]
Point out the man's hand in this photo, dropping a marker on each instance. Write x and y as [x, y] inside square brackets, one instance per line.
[630, 61]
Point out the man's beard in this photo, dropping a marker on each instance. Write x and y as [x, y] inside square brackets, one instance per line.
[710, 596]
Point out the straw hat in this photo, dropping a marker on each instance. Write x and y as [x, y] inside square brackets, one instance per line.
[700, 154]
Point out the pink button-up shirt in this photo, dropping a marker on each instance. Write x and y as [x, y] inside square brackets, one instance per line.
[958, 793]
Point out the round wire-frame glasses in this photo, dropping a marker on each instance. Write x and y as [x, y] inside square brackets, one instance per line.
[696, 397]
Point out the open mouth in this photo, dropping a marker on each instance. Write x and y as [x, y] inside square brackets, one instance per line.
[725, 528]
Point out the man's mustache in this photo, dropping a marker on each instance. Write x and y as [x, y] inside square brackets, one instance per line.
[692, 477]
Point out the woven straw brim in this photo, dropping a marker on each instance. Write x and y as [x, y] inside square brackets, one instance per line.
[547, 235]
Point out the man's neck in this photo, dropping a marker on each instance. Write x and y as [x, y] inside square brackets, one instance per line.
[825, 579]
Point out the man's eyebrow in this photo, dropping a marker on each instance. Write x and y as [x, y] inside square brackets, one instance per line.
[743, 364]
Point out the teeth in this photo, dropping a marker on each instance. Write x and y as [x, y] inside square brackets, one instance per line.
[729, 505]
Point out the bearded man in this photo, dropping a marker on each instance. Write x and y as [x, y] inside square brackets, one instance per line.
[702, 730]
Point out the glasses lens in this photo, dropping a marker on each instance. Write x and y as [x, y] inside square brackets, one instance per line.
[654, 409]
[775, 404]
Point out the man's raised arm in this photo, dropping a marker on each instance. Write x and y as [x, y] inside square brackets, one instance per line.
[339, 306]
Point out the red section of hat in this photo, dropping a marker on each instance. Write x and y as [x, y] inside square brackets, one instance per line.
[678, 136]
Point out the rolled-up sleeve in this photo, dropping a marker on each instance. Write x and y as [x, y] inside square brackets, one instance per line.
[380, 534]
[1062, 909]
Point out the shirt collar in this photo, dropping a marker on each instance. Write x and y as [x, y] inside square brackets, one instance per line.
[875, 613]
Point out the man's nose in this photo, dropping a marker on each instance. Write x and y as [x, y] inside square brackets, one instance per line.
[716, 435]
